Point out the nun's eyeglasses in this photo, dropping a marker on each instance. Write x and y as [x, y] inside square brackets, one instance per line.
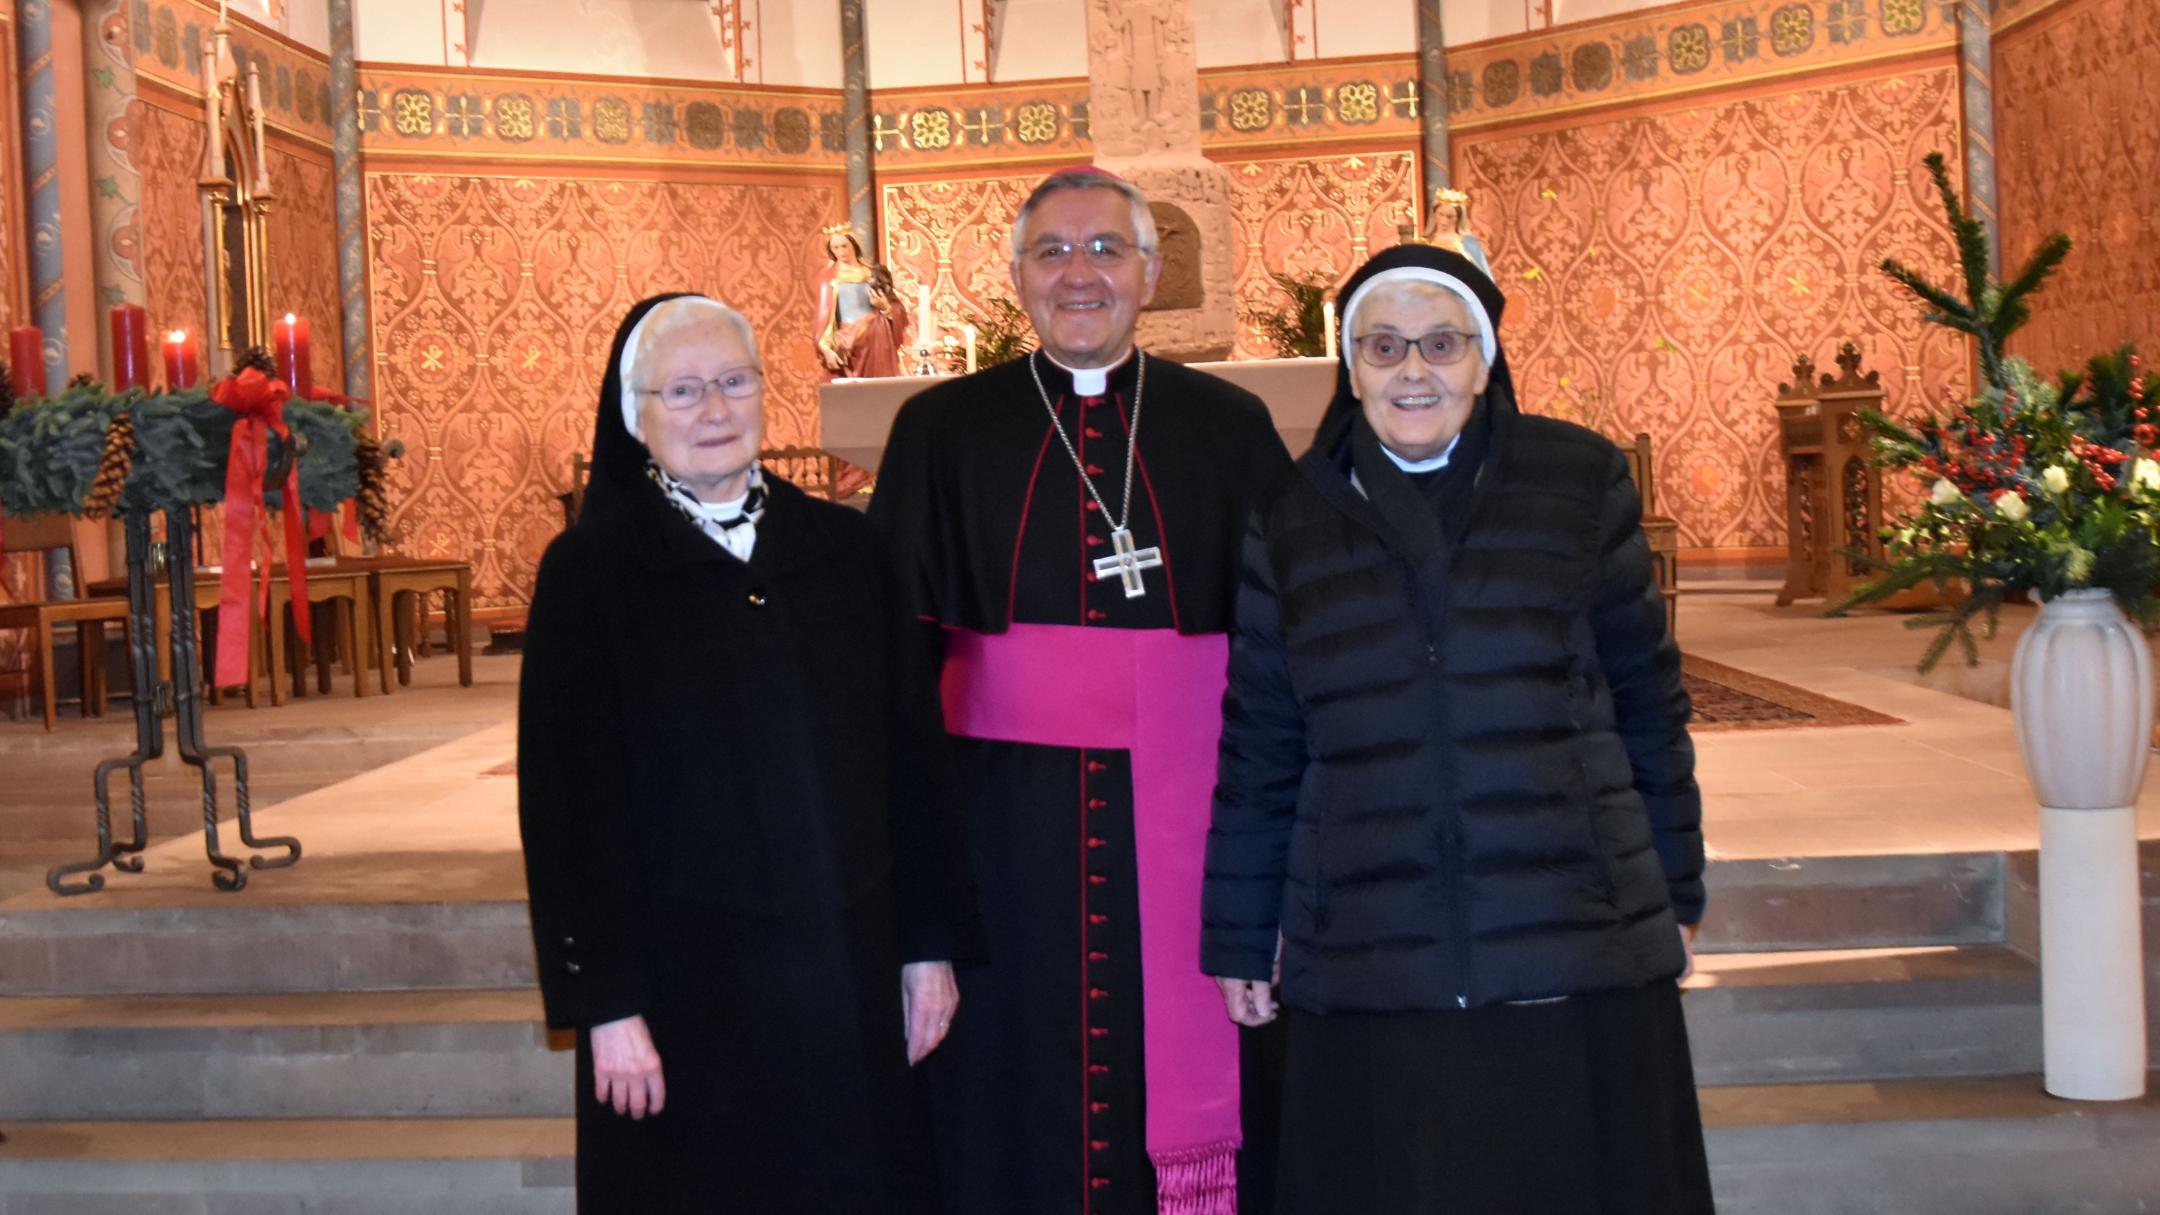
[1439, 348]
[688, 392]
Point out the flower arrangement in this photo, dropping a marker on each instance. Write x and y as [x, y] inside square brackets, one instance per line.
[2031, 485]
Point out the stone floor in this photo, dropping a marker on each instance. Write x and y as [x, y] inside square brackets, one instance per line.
[409, 800]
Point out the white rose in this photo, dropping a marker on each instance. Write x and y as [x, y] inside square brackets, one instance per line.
[2145, 474]
[2057, 479]
[1945, 492]
[2011, 506]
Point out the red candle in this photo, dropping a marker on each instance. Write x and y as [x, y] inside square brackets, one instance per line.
[183, 367]
[26, 355]
[290, 336]
[130, 347]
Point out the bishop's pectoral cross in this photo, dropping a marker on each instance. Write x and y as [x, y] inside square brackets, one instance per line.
[1126, 562]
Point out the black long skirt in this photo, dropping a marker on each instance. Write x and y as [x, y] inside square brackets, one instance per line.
[787, 1080]
[1582, 1106]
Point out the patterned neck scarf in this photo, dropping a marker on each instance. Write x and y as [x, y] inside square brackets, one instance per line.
[731, 524]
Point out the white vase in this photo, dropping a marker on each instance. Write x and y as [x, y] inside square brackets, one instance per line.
[2081, 693]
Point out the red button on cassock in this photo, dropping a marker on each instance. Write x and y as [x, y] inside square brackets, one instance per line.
[1096, 879]
[1098, 1182]
[1096, 803]
[1097, 993]
[1097, 1031]
[1097, 955]
[1096, 615]
[1097, 766]
[1095, 541]
[1098, 918]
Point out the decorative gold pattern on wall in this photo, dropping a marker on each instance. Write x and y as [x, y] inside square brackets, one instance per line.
[954, 235]
[2078, 153]
[1318, 216]
[497, 115]
[303, 256]
[1683, 48]
[169, 153]
[169, 37]
[1663, 269]
[494, 302]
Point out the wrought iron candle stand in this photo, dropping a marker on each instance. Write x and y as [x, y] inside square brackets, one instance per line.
[154, 699]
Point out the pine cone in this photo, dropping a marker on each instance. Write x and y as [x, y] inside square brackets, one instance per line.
[258, 358]
[82, 379]
[7, 393]
[114, 465]
[373, 498]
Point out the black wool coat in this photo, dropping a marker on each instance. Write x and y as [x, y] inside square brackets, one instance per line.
[1455, 767]
[727, 792]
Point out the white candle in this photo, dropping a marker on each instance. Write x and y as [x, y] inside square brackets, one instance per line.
[969, 330]
[1327, 320]
[215, 162]
[925, 332]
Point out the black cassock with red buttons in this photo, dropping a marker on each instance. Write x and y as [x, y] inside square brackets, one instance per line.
[1038, 1099]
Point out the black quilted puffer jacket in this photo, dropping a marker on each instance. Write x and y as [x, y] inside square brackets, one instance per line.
[1455, 767]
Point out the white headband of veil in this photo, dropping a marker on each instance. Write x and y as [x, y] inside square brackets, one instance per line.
[671, 307]
[1488, 341]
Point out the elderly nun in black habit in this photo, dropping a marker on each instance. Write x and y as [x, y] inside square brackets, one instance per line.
[1456, 802]
[745, 894]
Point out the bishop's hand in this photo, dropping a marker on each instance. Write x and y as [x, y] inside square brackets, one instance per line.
[929, 995]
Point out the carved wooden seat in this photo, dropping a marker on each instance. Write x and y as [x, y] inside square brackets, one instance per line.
[1661, 531]
[1833, 491]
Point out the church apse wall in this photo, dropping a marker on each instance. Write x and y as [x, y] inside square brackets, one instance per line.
[2077, 152]
[513, 220]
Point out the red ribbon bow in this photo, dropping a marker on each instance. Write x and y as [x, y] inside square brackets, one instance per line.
[260, 403]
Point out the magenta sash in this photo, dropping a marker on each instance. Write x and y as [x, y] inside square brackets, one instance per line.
[1157, 694]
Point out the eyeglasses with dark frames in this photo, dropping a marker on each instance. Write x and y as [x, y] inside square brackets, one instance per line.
[1438, 348]
[688, 392]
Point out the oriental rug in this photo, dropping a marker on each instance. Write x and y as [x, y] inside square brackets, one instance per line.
[1728, 698]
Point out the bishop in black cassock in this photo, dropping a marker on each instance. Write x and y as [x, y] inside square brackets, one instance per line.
[1041, 1096]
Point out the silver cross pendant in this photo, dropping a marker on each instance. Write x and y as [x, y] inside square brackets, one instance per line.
[1126, 562]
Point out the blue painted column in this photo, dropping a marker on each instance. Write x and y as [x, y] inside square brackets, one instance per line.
[1976, 72]
[41, 186]
[855, 118]
[1432, 103]
[351, 202]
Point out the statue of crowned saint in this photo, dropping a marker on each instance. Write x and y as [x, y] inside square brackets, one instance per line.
[861, 325]
[1449, 228]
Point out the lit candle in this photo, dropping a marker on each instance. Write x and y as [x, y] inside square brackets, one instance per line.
[970, 331]
[214, 103]
[1327, 321]
[130, 347]
[183, 365]
[261, 187]
[289, 337]
[925, 332]
[26, 355]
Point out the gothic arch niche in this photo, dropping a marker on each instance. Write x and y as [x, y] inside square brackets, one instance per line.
[236, 199]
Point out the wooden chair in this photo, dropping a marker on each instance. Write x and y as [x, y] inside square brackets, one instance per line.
[1662, 532]
[46, 533]
[573, 499]
[414, 579]
[346, 585]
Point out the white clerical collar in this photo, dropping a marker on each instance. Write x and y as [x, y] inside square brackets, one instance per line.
[1435, 464]
[1088, 381]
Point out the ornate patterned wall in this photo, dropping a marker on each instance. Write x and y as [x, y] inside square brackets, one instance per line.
[303, 253]
[18, 574]
[169, 154]
[1302, 216]
[494, 302]
[2079, 153]
[1664, 268]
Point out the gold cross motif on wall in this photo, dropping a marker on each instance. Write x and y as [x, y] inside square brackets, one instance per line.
[987, 121]
[879, 132]
[1404, 98]
[1301, 105]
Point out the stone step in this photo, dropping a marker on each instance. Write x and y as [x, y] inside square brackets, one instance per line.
[1753, 1019]
[1992, 1146]
[1768, 1018]
[305, 1055]
[1854, 902]
[274, 937]
[1981, 1146]
[409, 1166]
